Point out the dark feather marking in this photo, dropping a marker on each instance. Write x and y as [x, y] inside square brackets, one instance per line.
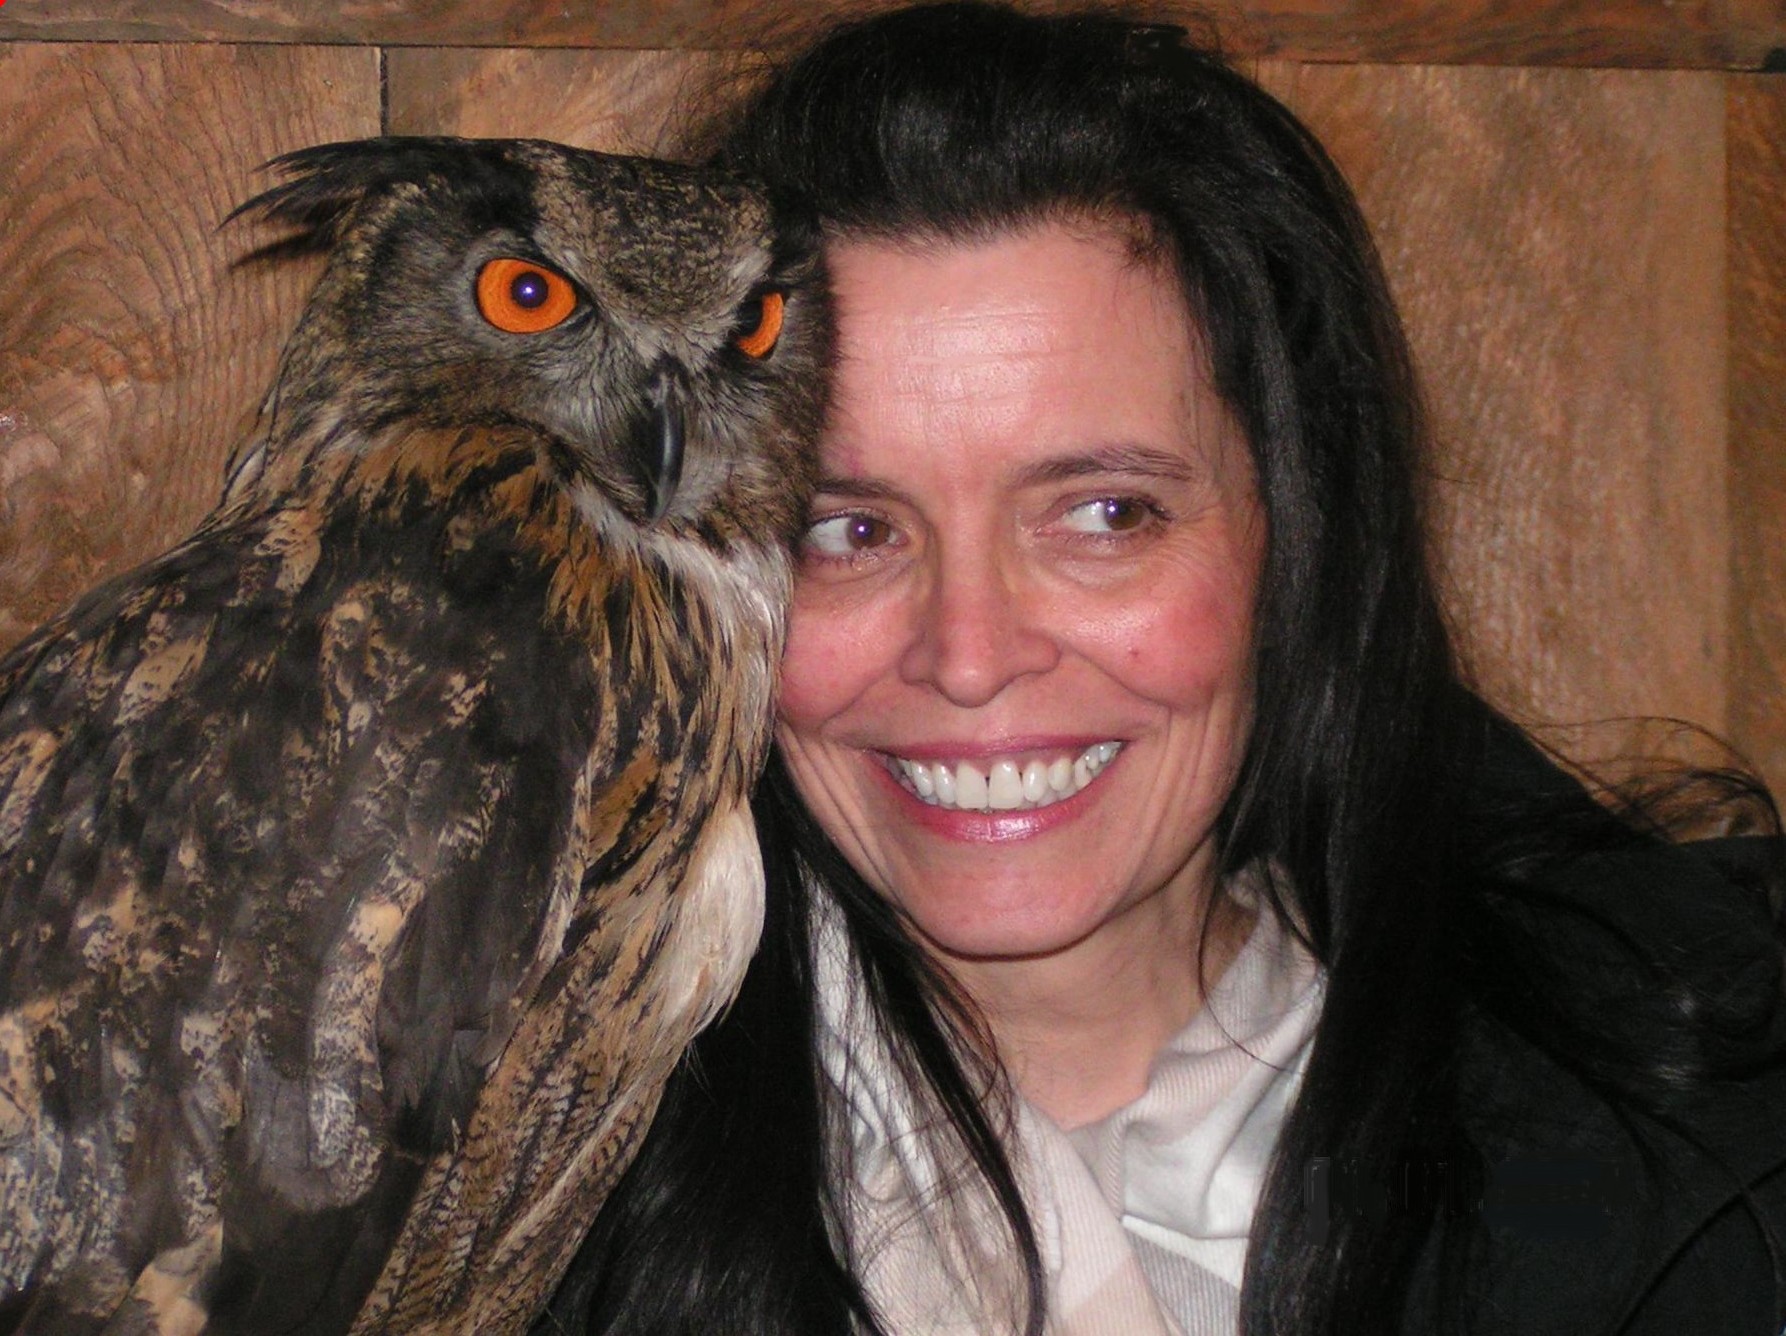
[327, 182]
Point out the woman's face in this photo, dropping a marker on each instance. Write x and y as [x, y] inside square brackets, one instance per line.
[1017, 683]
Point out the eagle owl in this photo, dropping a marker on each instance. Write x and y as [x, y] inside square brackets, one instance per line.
[367, 859]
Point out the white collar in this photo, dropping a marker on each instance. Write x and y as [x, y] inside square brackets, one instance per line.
[1184, 1164]
[1143, 1217]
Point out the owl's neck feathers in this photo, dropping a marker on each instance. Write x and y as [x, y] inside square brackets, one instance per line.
[490, 480]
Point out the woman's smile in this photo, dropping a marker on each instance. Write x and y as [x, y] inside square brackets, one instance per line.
[1014, 782]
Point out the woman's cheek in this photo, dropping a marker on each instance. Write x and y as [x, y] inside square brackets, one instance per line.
[805, 679]
[830, 657]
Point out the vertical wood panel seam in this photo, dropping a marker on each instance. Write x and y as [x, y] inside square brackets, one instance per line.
[1736, 611]
[1756, 414]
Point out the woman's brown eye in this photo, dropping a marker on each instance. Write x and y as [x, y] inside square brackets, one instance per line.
[1121, 514]
[865, 531]
[759, 324]
[522, 297]
[848, 535]
[1109, 514]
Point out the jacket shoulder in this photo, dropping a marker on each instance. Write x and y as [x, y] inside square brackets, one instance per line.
[1595, 1211]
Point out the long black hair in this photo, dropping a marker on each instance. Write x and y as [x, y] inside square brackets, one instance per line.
[1406, 828]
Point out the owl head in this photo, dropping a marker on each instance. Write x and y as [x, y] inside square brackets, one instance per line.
[640, 317]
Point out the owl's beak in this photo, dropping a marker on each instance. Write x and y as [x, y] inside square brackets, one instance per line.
[657, 443]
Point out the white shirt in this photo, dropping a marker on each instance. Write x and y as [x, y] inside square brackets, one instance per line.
[1142, 1217]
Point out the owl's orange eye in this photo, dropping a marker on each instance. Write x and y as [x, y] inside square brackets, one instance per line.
[759, 324]
[521, 297]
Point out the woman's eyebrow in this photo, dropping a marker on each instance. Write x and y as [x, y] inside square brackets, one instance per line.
[859, 489]
[1132, 459]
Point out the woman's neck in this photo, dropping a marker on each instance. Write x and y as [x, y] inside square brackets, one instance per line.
[1079, 1030]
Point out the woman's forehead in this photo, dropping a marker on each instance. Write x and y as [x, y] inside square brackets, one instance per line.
[1040, 290]
[1131, 239]
[1011, 347]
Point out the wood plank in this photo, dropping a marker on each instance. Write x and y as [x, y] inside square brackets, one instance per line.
[130, 350]
[1556, 243]
[1756, 136]
[617, 101]
[1725, 34]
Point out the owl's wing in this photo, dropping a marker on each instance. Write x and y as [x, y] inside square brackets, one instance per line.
[283, 823]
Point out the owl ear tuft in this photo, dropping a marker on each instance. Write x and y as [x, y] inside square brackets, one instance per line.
[326, 183]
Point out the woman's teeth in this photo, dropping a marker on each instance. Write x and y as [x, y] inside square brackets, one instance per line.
[1008, 786]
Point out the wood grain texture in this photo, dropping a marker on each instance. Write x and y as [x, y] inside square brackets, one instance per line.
[1556, 242]
[1756, 136]
[130, 349]
[616, 101]
[1733, 34]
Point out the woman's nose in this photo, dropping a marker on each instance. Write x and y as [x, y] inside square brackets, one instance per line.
[978, 630]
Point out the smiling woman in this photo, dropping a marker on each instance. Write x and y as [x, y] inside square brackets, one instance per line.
[1034, 549]
[1162, 938]
[1019, 676]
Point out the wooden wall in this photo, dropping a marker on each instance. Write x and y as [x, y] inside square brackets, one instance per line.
[1582, 206]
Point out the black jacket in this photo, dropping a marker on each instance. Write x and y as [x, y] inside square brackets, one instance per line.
[1595, 1212]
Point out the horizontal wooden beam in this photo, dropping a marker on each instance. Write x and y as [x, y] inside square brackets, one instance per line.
[1685, 34]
